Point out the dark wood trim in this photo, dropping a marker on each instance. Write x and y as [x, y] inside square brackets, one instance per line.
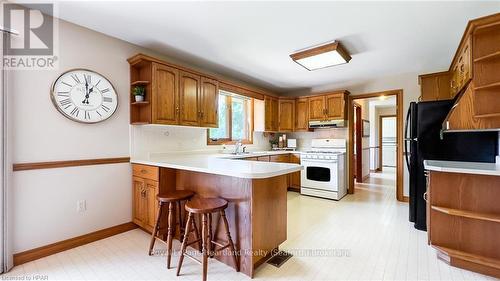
[399, 112]
[67, 163]
[380, 118]
[64, 245]
[359, 142]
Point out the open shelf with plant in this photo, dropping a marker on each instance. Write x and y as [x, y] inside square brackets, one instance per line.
[140, 92]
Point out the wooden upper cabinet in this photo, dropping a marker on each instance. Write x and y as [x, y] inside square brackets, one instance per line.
[301, 114]
[316, 108]
[271, 109]
[165, 103]
[209, 103]
[286, 115]
[435, 86]
[189, 93]
[335, 105]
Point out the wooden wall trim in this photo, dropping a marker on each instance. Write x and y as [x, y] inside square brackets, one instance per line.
[37, 253]
[68, 163]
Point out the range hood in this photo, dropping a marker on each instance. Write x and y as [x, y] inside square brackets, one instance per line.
[328, 124]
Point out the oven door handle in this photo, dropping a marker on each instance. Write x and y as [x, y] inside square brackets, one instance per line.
[320, 161]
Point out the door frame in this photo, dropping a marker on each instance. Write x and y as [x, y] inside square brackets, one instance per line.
[380, 118]
[358, 110]
[399, 150]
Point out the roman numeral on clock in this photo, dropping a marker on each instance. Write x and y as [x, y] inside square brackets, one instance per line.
[105, 90]
[65, 102]
[107, 99]
[75, 111]
[67, 84]
[87, 78]
[105, 108]
[87, 115]
[75, 77]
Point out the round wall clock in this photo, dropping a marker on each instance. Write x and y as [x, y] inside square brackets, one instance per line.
[84, 96]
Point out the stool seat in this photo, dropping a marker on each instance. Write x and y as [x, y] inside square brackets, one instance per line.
[173, 196]
[205, 205]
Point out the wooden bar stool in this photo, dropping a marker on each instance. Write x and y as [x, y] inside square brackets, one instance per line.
[205, 207]
[171, 200]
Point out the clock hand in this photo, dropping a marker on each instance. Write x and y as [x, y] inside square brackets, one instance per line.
[86, 100]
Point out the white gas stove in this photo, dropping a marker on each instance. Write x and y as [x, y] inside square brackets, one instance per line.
[324, 169]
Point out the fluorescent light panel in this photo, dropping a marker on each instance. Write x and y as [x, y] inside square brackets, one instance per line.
[322, 56]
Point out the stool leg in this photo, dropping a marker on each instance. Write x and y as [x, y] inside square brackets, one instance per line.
[197, 234]
[155, 230]
[181, 222]
[210, 236]
[229, 240]
[204, 231]
[184, 242]
[170, 234]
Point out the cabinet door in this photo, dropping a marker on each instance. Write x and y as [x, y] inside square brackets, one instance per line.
[286, 115]
[316, 108]
[139, 208]
[435, 86]
[151, 204]
[294, 179]
[275, 114]
[335, 106]
[165, 100]
[189, 93]
[281, 158]
[209, 103]
[301, 115]
[271, 107]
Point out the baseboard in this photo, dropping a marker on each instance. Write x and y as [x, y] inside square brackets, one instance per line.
[365, 177]
[74, 242]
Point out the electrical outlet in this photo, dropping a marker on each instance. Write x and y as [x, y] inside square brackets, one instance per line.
[81, 206]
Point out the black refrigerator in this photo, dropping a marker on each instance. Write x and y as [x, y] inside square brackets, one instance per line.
[424, 141]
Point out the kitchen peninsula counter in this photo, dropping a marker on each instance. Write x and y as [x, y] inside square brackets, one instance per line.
[256, 192]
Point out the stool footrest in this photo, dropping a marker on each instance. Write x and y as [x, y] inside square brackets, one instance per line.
[193, 258]
[192, 242]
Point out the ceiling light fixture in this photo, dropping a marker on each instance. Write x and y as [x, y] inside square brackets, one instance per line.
[322, 56]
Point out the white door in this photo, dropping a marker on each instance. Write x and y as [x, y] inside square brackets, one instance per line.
[389, 141]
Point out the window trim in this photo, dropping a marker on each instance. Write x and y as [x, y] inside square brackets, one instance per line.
[230, 129]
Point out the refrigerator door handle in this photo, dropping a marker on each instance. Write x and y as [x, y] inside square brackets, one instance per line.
[407, 139]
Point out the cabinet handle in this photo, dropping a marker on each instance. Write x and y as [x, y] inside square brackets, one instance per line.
[143, 193]
[143, 171]
[425, 196]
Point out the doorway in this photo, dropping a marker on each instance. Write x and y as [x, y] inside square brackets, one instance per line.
[387, 140]
[358, 144]
[399, 138]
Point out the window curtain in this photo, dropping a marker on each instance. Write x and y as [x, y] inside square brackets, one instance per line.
[5, 176]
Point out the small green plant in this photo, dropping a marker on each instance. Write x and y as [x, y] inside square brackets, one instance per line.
[139, 91]
[273, 139]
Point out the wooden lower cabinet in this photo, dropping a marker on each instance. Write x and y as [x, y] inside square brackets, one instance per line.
[463, 220]
[294, 178]
[145, 204]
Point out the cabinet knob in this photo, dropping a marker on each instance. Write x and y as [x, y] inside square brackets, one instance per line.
[143, 171]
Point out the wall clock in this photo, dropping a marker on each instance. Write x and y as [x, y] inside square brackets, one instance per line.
[84, 96]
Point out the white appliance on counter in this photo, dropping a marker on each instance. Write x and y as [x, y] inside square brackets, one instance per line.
[324, 170]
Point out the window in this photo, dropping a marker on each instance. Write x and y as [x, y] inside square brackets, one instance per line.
[235, 120]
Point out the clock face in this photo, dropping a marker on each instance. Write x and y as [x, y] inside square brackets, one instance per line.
[84, 96]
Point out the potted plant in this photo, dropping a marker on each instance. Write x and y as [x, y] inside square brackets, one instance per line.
[138, 92]
[273, 140]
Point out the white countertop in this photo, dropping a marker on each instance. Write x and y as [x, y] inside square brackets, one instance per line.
[491, 169]
[221, 164]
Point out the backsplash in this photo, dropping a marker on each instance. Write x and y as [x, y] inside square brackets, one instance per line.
[304, 138]
[147, 139]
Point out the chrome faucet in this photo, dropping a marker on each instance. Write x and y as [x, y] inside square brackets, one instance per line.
[237, 147]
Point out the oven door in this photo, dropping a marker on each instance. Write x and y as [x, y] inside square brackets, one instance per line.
[320, 174]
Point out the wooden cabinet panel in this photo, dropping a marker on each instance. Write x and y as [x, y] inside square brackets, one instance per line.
[286, 115]
[263, 158]
[271, 108]
[282, 158]
[139, 207]
[165, 102]
[209, 103]
[145, 171]
[435, 86]
[335, 105]
[301, 115]
[189, 92]
[294, 178]
[317, 108]
[461, 72]
[151, 190]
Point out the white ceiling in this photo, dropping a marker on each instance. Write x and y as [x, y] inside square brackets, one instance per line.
[252, 41]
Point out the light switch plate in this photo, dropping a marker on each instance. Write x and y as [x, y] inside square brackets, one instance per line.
[81, 206]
